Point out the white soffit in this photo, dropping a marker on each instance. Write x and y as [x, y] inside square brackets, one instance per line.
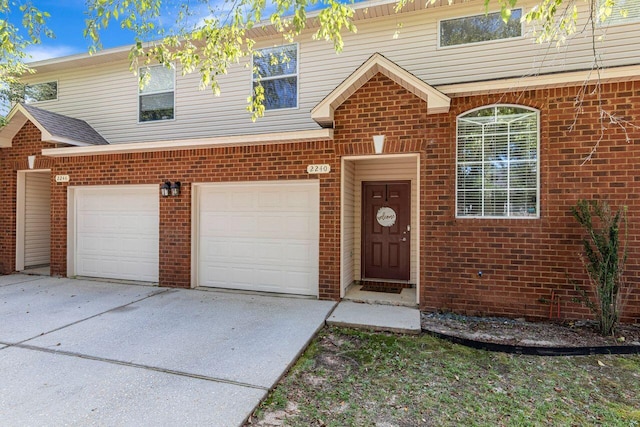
[437, 102]
[188, 144]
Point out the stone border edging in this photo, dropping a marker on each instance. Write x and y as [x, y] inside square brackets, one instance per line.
[536, 351]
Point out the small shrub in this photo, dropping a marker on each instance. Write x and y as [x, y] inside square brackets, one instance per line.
[605, 254]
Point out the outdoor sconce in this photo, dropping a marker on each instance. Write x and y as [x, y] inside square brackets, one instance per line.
[378, 143]
[165, 189]
[170, 189]
[175, 188]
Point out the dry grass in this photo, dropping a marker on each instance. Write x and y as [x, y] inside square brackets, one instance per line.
[354, 378]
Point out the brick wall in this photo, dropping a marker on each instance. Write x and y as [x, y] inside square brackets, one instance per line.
[523, 261]
[250, 163]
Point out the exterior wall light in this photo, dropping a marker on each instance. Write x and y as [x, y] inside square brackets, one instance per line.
[175, 188]
[165, 189]
[378, 143]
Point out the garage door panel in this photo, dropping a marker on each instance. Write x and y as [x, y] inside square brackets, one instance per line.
[259, 236]
[117, 233]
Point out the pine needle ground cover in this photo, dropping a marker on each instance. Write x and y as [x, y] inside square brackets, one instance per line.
[349, 377]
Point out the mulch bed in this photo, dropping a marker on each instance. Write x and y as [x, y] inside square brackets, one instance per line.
[503, 331]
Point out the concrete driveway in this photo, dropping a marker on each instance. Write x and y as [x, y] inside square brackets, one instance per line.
[80, 352]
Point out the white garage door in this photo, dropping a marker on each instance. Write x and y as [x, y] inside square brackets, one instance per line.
[259, 236]
[117, 232]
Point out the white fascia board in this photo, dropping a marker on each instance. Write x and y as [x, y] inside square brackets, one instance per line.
[188, 144]
[572, 78]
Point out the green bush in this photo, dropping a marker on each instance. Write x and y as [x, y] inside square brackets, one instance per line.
[605, 253]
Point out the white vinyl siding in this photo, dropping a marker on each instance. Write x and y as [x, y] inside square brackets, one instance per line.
[106, 95]
[37, 220]
[497, 163]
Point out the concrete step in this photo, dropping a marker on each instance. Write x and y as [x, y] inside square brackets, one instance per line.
[376, 317]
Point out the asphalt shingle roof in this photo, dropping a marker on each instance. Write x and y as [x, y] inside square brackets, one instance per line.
[65, 126]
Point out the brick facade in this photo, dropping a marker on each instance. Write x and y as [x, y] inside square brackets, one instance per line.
[523, 260]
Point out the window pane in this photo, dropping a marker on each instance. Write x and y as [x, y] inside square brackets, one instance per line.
[280, 93]
[523, 203]
[41, 92]
[497, 162]
[479, 28]
[495, 203]
[160, 78]
[623, 12]
[470, 176]
[276, 61]
[523, 175]
[469, 203]
[470, 148]
[156, 107]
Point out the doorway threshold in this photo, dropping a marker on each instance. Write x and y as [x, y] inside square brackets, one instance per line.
[406, 298]
[41, 270]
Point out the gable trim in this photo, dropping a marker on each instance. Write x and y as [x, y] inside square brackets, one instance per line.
[437, 102]
[18, 117]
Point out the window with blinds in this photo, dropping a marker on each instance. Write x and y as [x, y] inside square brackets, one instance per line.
[497, 163]
[621, 12]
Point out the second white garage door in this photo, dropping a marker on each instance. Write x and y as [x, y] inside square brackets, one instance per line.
[258, 236]
[117, 232]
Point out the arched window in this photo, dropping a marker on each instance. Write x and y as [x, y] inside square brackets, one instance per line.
[497, 173]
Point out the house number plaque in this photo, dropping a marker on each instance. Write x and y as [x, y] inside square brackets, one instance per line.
[386, 216]
[319, 168]
[62, 178]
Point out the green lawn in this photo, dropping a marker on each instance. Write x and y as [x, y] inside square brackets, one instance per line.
[355, 378]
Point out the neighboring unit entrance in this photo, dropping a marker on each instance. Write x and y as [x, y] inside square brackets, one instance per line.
[117, 232]
[33, 227]
[386, 237]
[261, 236]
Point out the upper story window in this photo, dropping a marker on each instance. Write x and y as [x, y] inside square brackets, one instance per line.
[479, 28]
[156, 93]
[276, 69]
[38, 92]
[622, 12]
[497, 163]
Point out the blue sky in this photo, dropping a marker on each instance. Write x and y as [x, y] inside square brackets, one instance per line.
[67, 22]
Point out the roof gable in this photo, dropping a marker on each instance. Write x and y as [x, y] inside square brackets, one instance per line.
[437, 102]
[55, 128]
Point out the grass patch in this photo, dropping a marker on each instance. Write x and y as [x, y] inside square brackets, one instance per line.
[349, 377]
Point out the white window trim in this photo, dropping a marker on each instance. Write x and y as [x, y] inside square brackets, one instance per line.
[439, 45]
[502, 217]
[46, 100]
[140, 122]
[296, 75]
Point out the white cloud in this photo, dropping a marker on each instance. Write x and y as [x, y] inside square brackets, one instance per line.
[42, 52]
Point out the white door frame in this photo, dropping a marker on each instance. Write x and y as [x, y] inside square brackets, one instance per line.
[21, 200]
[344, 221]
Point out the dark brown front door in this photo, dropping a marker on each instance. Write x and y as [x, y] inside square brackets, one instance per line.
[386, 236]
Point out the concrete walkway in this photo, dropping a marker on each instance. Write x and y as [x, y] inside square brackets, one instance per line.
[376, 317]
[80, 352]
